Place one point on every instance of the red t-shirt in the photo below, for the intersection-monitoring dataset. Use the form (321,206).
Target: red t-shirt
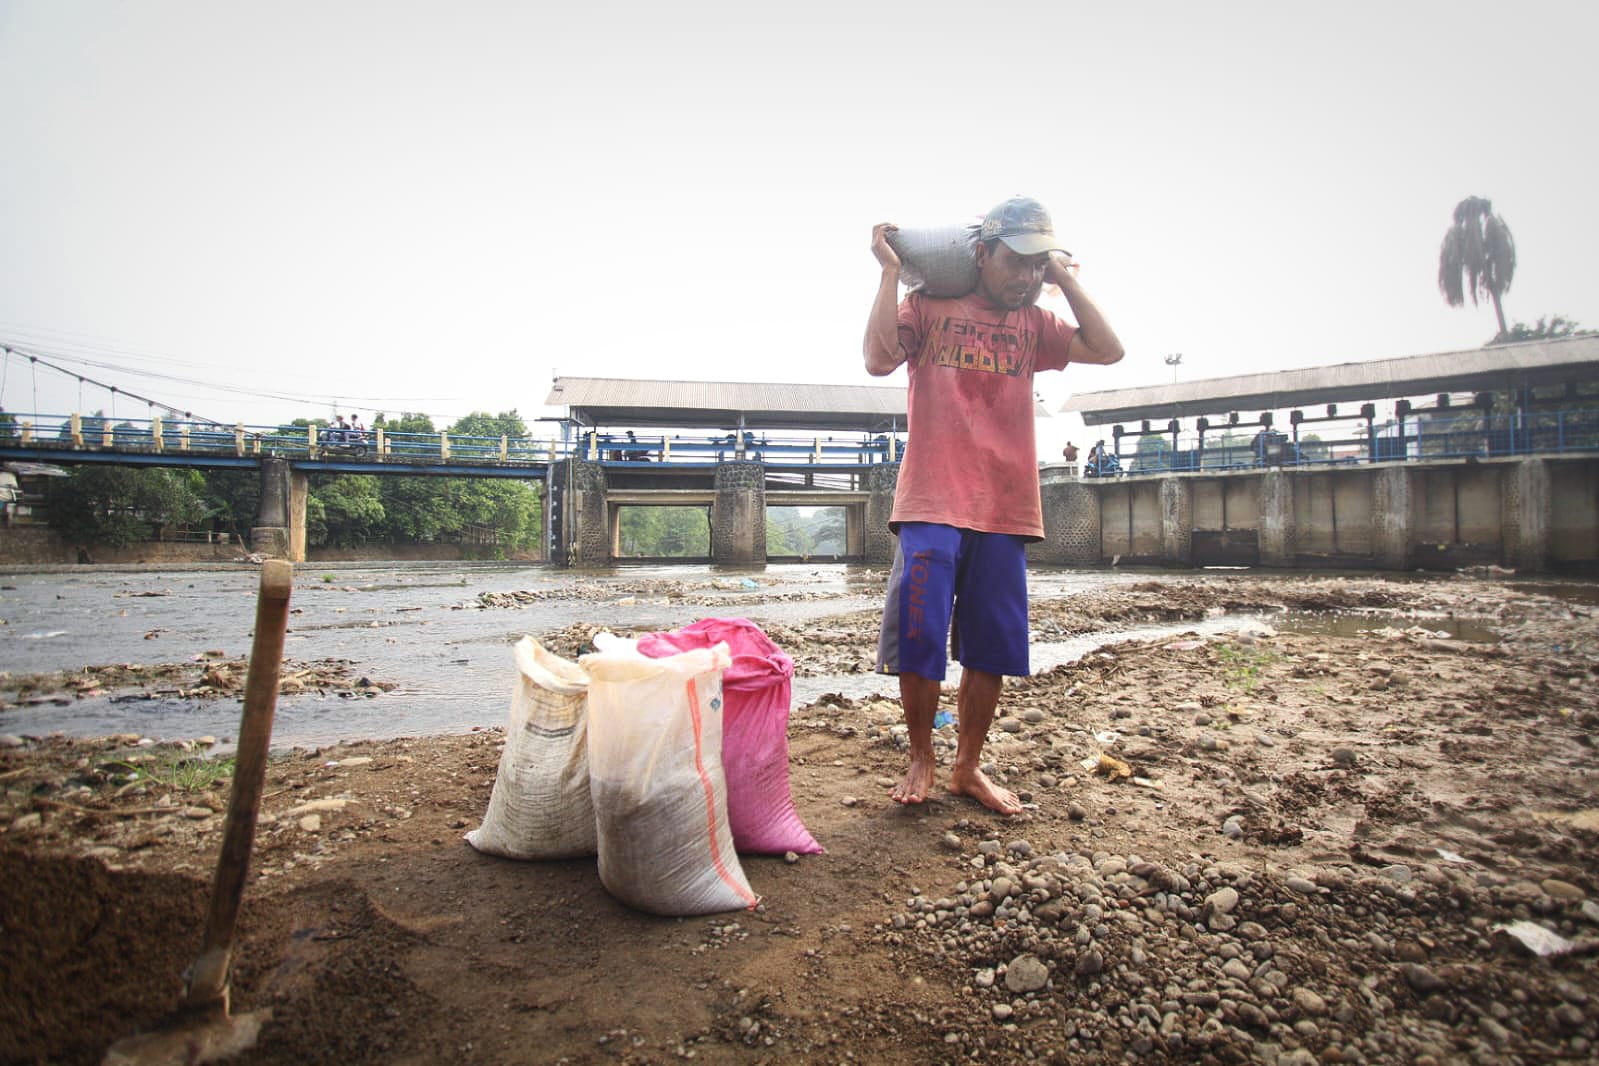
(971,461)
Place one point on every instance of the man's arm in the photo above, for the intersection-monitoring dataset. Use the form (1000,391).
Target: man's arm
(1095,342)
(881,348)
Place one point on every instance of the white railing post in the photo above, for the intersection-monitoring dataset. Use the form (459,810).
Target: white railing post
(77,431)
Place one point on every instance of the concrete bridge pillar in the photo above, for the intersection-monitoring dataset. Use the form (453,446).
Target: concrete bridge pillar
(1391,518)
(1177,521)
(588,540)
(299,488)
(880,480)
(1278,542)
(738,517)
(270,534)
(279,530)
(1527,515)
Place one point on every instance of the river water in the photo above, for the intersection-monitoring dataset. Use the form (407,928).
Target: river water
(417,626)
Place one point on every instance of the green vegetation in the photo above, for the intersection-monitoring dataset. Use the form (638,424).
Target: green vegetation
(117,506)
(176,770)
(1477,257)
(789,531)
(1243,664)
(666,532)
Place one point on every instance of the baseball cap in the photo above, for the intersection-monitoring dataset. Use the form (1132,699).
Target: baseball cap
(1024,226)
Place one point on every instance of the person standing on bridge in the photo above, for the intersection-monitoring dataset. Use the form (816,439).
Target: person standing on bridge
(968,502)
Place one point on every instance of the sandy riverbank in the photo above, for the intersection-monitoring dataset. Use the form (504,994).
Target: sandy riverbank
(1321,835)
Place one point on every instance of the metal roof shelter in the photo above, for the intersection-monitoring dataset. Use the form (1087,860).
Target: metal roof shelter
(1502,368)
(728,404)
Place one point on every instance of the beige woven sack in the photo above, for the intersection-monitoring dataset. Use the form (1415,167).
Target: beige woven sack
(541,807)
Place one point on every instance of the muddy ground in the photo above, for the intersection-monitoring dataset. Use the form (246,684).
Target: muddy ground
(1302,845)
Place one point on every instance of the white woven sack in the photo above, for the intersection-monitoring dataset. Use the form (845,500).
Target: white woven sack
(655,768)
(541,806)
(940,261)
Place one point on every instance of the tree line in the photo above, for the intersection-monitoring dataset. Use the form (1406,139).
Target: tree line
(119,505)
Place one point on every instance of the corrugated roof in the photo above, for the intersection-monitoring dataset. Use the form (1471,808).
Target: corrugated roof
(719,404)
(1509,366)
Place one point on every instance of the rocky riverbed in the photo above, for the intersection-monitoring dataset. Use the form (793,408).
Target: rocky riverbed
(1363,831)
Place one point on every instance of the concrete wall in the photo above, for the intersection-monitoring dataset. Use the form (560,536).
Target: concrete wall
(1574,523)
(1071,521)
(43,546)
(1131,520)
(1531,515)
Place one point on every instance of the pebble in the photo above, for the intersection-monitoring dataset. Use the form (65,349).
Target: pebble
(1026,973)
(1089,963)
(1344,756)
(311,823)
(1304,886)
(1002,1012)
(10,740)
(1201,719)
(1495,1032)
(850,801)
(952,841)
(1559,889)
(1422,980)
(791,857)
(31,820)
(1077,812)
(1009,725)
(1398,872)
(1222,901)
(1032,716)
(1309,1002)
(197,813)
(1233,828)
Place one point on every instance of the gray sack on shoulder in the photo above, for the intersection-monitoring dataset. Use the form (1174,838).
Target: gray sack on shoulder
(939,261)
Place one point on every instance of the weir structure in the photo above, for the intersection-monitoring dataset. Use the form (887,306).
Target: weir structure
(734,449)
(1486,457)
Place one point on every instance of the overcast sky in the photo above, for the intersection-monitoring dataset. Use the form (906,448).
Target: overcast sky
(436,207)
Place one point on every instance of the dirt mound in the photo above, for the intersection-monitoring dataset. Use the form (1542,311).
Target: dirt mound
(90,954)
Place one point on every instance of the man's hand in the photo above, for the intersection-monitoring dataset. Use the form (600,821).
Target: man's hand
(880,246)
(1061,269)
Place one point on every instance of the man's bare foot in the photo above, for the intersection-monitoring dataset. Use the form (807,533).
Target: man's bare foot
(975,783)
(918,783)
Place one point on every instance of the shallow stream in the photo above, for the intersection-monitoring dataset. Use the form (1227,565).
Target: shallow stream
(419,627)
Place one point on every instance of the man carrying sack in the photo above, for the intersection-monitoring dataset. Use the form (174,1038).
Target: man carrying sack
(968,500)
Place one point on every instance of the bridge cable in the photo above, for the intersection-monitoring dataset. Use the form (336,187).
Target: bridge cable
(35,360)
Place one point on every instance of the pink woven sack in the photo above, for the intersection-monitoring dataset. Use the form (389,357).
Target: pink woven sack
(757,689)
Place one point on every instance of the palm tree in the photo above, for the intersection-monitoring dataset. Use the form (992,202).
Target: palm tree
(1478,256)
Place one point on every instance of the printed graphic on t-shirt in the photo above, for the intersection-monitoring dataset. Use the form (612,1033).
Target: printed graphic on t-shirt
(967,344)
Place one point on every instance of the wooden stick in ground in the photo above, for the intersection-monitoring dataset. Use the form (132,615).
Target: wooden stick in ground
(209,981)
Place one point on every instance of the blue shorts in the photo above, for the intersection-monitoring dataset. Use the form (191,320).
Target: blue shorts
(941,575)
